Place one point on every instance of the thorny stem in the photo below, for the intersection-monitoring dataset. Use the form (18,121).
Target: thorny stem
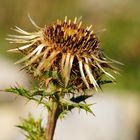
(52,120)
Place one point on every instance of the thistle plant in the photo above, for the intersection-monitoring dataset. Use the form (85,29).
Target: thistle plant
(67,61)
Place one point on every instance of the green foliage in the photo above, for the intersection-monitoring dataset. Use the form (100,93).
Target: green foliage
(33,129)
(41,96)
(65,98)
(75,102)
(19,91)
(38,95)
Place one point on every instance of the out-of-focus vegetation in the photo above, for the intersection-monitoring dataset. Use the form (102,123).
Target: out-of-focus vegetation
(120,18)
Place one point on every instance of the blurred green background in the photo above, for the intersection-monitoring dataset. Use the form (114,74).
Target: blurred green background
(118,114)
(121,19)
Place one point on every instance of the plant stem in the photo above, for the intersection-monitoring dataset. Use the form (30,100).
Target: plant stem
(52,120)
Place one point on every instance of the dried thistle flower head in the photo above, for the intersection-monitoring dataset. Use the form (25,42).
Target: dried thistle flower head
(67,47)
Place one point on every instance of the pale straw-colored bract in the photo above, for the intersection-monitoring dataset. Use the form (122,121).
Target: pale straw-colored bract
(65,46)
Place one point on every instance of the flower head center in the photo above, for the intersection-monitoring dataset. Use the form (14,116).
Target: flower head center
(70,37)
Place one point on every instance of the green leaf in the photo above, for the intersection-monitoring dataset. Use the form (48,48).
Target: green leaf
(38,95)
(19,91)
(33,129)
(86,107)
(69,105)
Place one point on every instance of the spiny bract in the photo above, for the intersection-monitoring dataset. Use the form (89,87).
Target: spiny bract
(67,47)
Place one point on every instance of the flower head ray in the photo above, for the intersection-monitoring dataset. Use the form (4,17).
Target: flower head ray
(33,23)
(20,48)
(90,75)
(82,73)
(68,47)
(19,30)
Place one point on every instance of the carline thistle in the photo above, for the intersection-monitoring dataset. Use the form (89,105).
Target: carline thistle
(66,47)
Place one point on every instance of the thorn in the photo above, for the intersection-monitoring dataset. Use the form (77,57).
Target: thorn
(57,21)
(88,28)
(65,18)
(75,20)
(80,24)
(91,32)
(69,22)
